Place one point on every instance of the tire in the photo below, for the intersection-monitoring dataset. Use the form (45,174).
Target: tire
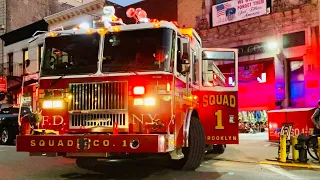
(86,163)
(312,144)
(6,138)
(194,154)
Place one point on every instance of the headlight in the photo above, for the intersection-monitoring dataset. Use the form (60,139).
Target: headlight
(149,101)
(48,104)
(144,101)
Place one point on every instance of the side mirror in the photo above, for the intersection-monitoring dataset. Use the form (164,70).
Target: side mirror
(186,52)
(185,47)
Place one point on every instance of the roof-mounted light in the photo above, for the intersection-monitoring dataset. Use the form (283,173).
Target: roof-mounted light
(156,25)
(84,26)
(52,34)
(89,31)
(116,29)
(138,14)
(103,31)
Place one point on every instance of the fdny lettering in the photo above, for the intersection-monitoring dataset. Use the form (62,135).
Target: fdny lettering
(56,120)
(221,138)
(144,117)
(224,100)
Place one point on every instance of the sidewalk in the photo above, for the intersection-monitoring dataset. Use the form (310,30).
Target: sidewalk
(253,148)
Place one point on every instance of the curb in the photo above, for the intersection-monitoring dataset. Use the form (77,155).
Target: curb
(238,161)
(309,166)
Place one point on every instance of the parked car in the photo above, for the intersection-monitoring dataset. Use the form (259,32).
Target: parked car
(9,127)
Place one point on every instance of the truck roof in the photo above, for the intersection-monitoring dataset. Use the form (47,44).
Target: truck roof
(129,27)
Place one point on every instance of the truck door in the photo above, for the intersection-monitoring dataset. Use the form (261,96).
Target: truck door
(218,95)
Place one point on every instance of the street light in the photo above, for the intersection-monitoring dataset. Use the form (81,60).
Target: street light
(84,26)
(272,45)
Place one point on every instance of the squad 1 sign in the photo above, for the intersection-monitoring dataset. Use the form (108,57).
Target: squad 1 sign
(237,10)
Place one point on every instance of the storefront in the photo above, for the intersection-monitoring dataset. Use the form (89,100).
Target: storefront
(13,95)
(278,56)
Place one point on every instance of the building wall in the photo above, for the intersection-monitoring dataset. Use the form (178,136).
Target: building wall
(3,12)
(75,2)
(24,12)
(33,53)
(264,29)
(15,14)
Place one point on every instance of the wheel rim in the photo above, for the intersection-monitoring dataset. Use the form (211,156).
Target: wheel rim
(313,147)
(4,136)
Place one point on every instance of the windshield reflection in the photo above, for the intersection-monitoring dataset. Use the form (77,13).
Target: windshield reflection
(71,55)
(124,51)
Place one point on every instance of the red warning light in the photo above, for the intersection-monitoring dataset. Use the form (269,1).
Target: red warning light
(138,10)
(175,23)
(131,12)
(142,14)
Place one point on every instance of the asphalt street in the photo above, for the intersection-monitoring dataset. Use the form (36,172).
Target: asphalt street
(15,165)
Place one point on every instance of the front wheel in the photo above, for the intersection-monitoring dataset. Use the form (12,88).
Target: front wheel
(194,154)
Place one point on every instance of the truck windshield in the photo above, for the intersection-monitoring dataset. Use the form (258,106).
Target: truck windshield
(70,55)
(138,50)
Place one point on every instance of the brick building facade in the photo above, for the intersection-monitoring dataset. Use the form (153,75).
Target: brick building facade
(293,26)
(15,14)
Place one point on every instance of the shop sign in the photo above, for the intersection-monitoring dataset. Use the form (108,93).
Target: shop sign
(3,84)
(26,99)
(237,10)
(251,49)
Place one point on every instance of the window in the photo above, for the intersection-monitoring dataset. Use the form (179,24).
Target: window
(70,55)
(294,39)
(10,64)
(218,69)
(40,52)
(24,58)
(138,50)
(194,68)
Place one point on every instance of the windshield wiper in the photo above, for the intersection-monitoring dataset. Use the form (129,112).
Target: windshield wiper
(57,80)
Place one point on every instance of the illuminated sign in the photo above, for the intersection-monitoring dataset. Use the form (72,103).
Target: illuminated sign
(263,78)
(224,100)
(231,81)
(250,49)
(237,10)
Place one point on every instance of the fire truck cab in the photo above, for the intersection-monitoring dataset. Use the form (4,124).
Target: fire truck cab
(144,88)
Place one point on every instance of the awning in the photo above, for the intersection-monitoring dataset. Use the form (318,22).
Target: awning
(15,83)
(24,32)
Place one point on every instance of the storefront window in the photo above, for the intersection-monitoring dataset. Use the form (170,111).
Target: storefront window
(253,121)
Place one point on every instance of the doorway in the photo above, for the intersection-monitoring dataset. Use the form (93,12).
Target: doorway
(296,83)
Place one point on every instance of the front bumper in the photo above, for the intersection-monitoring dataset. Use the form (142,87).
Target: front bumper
(94,143)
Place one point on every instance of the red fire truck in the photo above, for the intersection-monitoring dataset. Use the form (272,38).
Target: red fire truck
(144,88)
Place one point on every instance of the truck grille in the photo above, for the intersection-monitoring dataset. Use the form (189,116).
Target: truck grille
(99,96)
(101,120)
